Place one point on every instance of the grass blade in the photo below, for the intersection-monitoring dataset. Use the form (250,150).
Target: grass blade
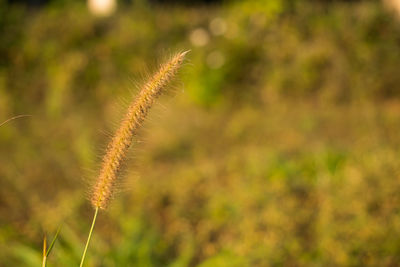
(53,242)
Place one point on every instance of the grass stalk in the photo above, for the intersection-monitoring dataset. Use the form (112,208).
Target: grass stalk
(44,261)
(89,236)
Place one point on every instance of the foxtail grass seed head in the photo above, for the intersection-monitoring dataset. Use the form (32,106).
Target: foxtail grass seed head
(104,186)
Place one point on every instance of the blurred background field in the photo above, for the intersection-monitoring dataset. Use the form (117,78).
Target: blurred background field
(278,146)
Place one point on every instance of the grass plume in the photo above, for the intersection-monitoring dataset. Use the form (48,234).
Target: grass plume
(118,147)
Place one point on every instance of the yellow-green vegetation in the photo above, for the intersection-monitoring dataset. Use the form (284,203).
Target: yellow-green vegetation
(280,146)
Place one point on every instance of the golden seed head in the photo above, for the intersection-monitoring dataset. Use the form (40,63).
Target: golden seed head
(103,188)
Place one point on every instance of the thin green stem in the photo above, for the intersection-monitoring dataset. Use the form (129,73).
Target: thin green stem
(90,236)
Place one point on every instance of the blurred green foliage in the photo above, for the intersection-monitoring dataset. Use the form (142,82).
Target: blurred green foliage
(280,146)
